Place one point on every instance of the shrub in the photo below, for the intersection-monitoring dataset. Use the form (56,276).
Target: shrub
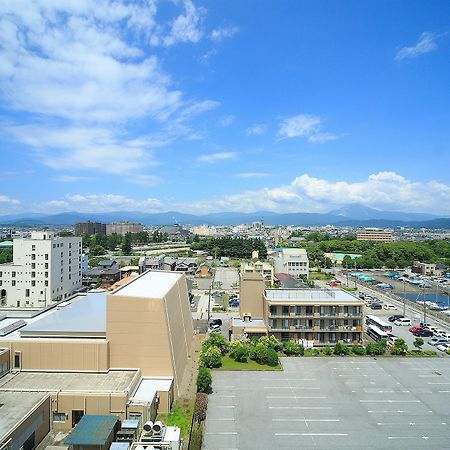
(271,342)
(196,438)
(201,405)
(341,349)
(204,380)
(399,348)
(358,350)
(291,348)
(240,354)
(212,357)
(418,343)
(271,357)
(327,350)
(215,340)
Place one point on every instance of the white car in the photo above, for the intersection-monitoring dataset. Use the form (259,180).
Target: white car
(443,347)
(386,306)
(403,322)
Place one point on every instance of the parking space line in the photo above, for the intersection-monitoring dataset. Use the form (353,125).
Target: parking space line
(223,432)
(225,406)
(300,407)
(311,434)
(305,420)
(296,397)
(390,401)
(430,382)
(291,387)
(224,396)
(224,418)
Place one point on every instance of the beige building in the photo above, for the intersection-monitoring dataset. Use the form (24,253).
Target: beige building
(258,266)
(123,228)
(121,353)
(315,317)
(374,234)
(293,261)
(423,268)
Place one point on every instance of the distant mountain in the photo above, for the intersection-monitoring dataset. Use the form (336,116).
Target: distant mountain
(360,212)
(351,215)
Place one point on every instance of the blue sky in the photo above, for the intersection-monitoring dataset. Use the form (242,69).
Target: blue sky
(202,106)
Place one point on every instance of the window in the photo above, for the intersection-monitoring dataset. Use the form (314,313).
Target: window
(46,265)
(59,417)
(46,274)
(33,283)
(27,292)
(13,274)
(17,360)
(33,248)
(46,256)
(33,256)
(33,265)
(33,274)
(13,282)
(46,282)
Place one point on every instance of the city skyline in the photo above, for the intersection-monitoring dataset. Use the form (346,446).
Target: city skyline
(223,106)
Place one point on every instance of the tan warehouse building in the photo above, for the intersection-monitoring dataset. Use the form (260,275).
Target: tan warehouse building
(315,317)
(121,353)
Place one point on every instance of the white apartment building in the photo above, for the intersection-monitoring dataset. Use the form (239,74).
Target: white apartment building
(44,268)
(293,261)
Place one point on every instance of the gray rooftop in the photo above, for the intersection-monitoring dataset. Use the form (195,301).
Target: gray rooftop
(15,405)
(112,381)
(84,316)
(308,295)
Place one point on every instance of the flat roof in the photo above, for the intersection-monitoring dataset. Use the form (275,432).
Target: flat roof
(85,315)
(92,430)
(148,387)
(308,295)
(254,323)
(15,406)
(151,284)
(112,381)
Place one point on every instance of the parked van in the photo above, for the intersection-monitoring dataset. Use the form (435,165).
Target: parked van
(404,321)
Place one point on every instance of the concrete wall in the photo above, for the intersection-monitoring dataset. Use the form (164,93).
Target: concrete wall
(4,361)
(89,403)
(251,295)
(61,354)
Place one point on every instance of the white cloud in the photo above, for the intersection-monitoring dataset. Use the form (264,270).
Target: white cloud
(221,33)
(256,130)
(196,108)
(8,200)
(144,180)
(214,157)
(226,121)
(426,44)
(186,27)
(101,203)
(307,126)
(383,190)
(252,175)
(69,178)
(87,148)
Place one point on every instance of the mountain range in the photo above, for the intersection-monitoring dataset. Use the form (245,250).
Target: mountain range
(349,215)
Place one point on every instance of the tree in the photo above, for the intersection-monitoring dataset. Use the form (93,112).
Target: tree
(204,380)
(341,349)
(216,251)
(212,357)
(65,234)
(400,347)
(126,244)
(418,343)
(291,348)
(96,250)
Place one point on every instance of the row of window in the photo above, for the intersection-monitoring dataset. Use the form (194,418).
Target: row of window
(299,310)
(297,264)
(310,323)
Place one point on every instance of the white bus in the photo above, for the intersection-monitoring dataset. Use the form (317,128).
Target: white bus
(375,333)
(376,321)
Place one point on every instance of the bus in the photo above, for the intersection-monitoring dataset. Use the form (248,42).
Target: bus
(381,324)
(375,333)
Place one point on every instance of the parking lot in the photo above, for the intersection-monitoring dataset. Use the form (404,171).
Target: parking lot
(327,403)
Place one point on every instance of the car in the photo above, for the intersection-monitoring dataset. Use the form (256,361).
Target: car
(439,332)
(395,317)
(423,333)
(375,306)
(214,330)
(437,340)
(216,322)
(443,347)
(414,329)
(425,324)
(388,306)
(446,335)
(391,340)
(234,304)
(402,322)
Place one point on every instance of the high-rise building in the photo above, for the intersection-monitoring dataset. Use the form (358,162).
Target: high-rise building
(374,234)
(44,268)
(293,261)
(123,228)
(90,228)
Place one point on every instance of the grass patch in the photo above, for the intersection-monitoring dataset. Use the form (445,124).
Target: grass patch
(230,364)
(320,276)
(181,416)
(349,289)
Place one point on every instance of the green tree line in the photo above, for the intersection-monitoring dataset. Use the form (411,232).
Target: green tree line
(231,247)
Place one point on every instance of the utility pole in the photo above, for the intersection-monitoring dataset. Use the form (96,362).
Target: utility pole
(404,298)
(346,269)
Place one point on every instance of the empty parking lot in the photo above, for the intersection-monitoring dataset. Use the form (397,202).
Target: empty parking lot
(326,403)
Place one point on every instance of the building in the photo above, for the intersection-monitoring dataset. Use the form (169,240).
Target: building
(89,228)
(423,268)
(123,228)
(44,268)
(122,353)
(374,234)
(258,266)
(314,317)
(151,263)
(338,258)
(293,261)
